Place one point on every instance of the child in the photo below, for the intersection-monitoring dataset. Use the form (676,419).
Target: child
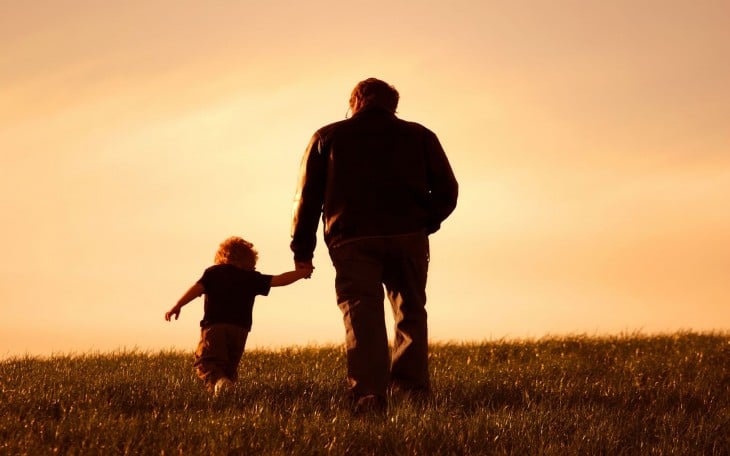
(230,287)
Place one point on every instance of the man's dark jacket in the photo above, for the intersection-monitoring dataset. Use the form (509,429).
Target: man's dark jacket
(371,175)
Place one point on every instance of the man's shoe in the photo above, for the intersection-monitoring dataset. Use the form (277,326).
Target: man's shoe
(421,397)
(371,405)
(418,395)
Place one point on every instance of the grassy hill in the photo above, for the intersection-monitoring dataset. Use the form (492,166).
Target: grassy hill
(667,394)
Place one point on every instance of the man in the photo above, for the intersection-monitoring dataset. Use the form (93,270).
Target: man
(381,186)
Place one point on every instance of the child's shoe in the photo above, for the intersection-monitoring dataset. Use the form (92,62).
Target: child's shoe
(222,386)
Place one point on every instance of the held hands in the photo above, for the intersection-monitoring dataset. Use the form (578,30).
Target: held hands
(305,273)
(304,268)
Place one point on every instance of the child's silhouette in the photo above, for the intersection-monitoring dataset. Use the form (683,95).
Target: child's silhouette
(230,287)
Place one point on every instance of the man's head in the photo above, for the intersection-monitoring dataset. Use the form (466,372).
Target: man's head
(373,92)
(238,252)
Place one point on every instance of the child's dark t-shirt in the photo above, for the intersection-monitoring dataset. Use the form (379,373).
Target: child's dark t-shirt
(230,294)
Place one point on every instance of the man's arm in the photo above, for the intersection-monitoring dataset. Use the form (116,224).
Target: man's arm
(443,187)
(194,291)
(308,201)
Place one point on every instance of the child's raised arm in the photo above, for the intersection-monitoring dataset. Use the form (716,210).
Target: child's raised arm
(289,277)
(194,291)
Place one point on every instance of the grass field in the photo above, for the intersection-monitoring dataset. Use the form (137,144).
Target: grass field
(632,394)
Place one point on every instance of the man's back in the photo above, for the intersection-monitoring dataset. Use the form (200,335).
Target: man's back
(376,175)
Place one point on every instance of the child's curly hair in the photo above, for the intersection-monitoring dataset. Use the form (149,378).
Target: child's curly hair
(238,252)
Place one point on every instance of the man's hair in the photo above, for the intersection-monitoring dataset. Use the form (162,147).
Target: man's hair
(238,252)
(374,92)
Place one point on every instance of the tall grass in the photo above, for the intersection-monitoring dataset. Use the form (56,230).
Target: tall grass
(666,394)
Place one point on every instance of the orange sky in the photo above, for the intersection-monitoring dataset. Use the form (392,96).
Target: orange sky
(591,143)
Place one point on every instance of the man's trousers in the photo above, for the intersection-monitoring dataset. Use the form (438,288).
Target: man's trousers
(363,267)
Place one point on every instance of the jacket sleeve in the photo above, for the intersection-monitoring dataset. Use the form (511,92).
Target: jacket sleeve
(308,201)
(443,190)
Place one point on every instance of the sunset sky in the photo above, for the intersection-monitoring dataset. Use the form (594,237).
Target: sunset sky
(591,141)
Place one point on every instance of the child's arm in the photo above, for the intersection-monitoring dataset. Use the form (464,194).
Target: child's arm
(290,277)
(194,291)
